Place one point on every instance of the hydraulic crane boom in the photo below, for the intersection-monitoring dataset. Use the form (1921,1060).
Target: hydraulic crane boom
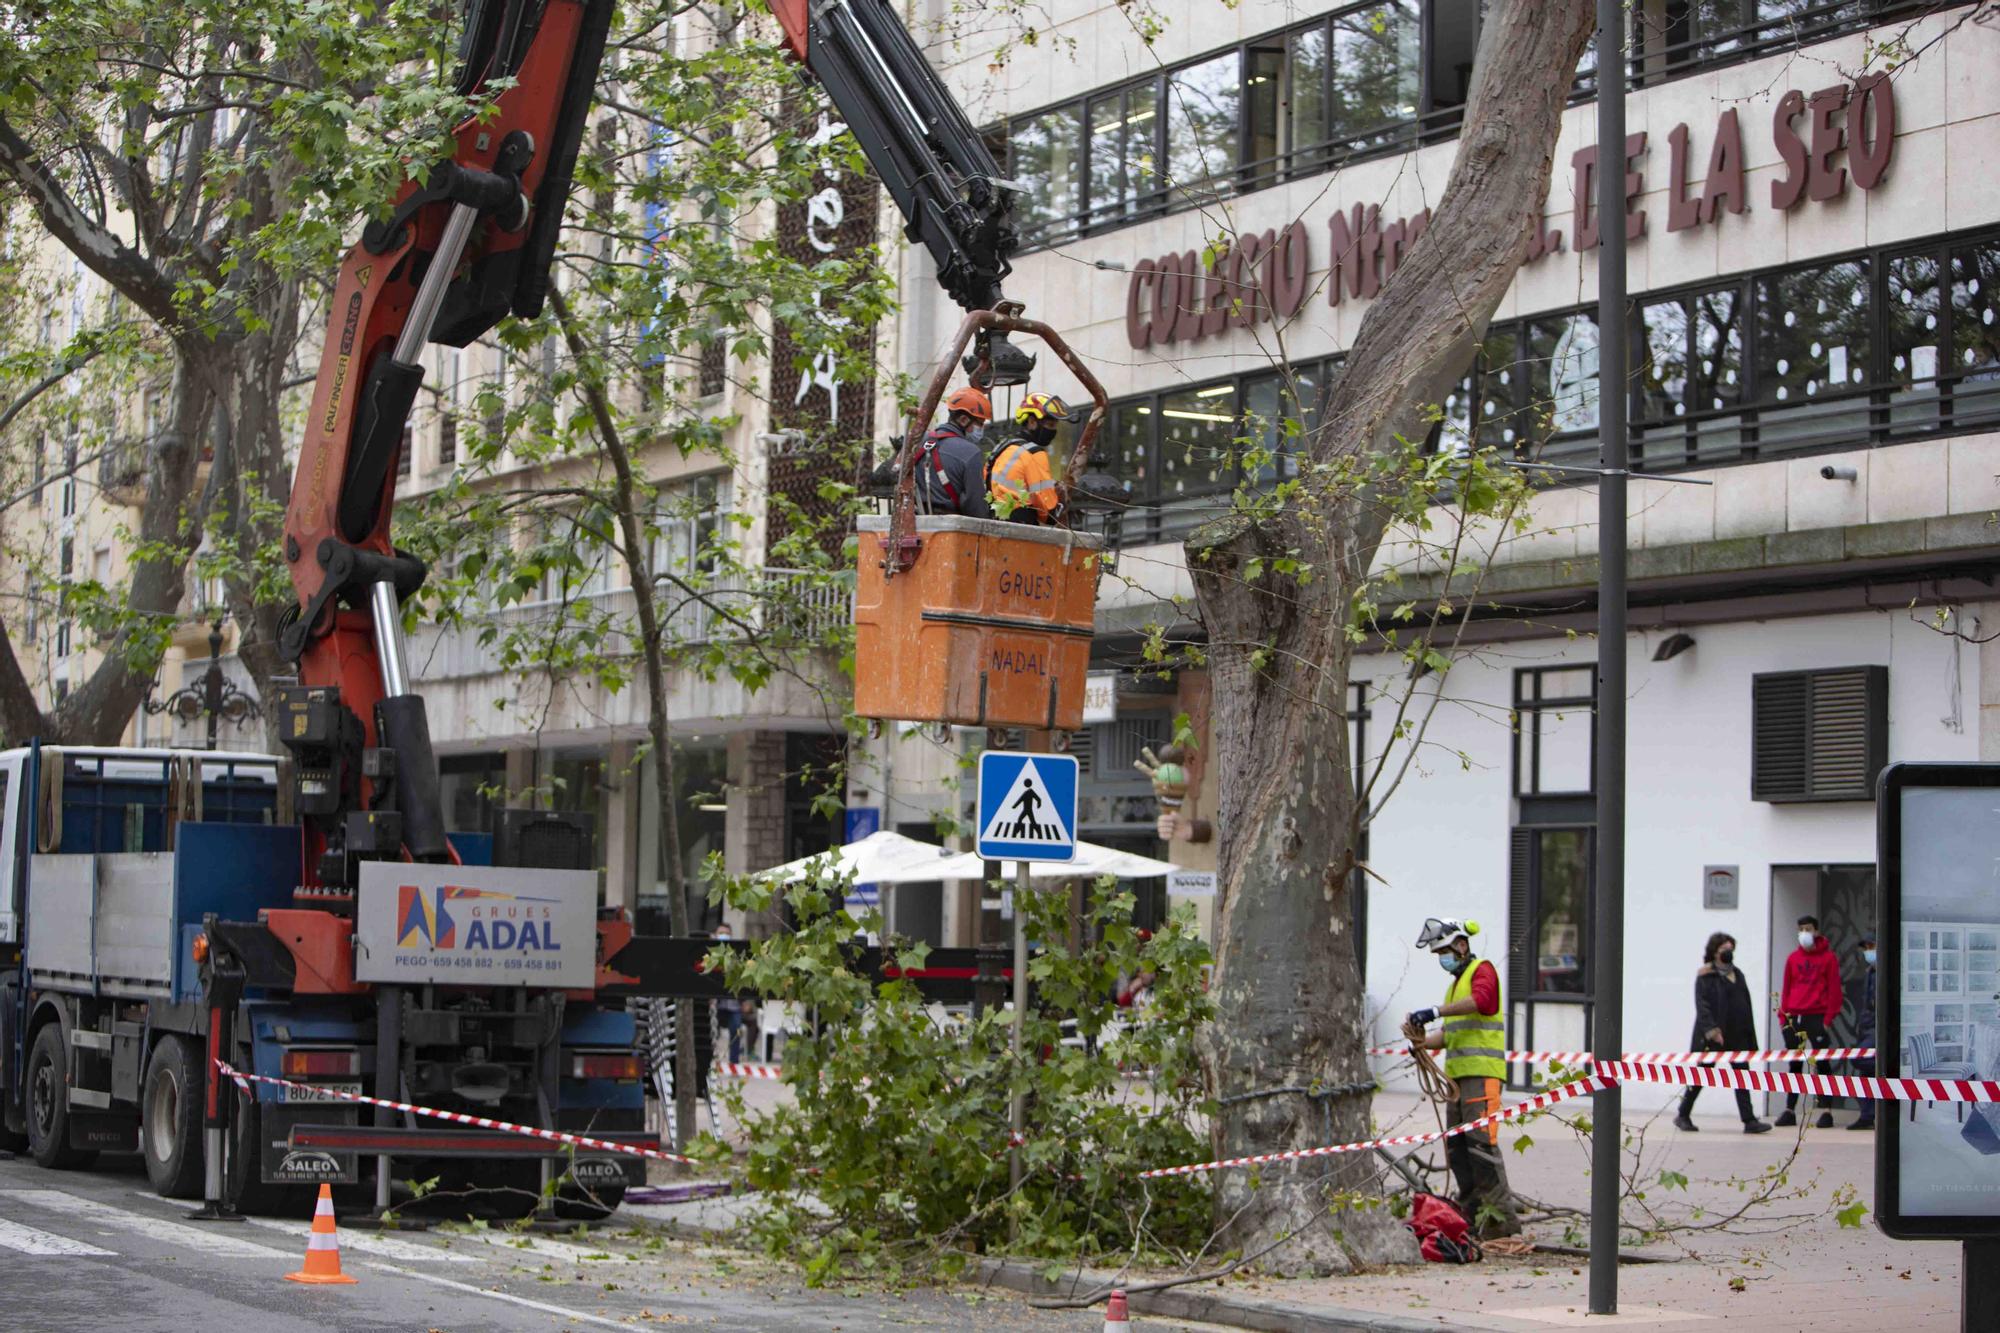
(460,251)
(935,166)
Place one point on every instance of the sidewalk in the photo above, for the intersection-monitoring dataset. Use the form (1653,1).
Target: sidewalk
(1796,1269)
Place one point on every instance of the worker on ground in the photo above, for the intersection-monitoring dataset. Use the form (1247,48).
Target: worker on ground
(1022,486)
(1473,1037)
(949,466)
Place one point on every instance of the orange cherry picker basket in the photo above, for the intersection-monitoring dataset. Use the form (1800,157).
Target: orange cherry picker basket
(977,622)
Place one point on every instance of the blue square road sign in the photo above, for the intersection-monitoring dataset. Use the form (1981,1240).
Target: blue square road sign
(1027,806)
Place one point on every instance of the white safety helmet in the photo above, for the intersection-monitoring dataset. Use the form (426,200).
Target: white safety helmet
(1443,932)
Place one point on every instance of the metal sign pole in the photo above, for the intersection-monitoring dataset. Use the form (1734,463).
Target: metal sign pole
(1017,1108)
(1608,902)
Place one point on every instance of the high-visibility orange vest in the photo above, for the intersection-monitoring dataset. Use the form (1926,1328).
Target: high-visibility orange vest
(1022,474)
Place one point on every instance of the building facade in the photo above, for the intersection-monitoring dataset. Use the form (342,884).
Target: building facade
(1814,233)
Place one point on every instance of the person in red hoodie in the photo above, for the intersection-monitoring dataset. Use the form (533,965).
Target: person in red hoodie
(1807,1006)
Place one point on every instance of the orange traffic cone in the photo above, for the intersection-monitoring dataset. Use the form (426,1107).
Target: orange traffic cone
(1116,1320)
(322,1247)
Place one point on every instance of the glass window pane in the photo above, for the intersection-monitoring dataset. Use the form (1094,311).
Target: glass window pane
(1562,374)
(1663,373)
(1561,928)
(1565,748)
(1499,389)
(1045,153)
(1123,126)
(1197,441)
(1913,324)
(1264,70)
(1454,39)
(1110,194)
(1812,346)
(1975,332)
(1305,90)
(1130,437)
(1202,106)
(1274,424)
(1376,74)
(1453,433)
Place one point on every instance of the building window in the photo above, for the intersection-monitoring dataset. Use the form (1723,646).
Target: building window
(1818,735)
(66,560)
(1555,730)
(1375,77)
(1204,107)
(1046,152)
(408,448)
(1549,890)
(1124,153)
(495,422)
(687,520)
(1813,349)
(62,641)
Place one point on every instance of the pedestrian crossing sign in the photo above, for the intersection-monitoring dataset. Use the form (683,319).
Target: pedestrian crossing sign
(1027,806)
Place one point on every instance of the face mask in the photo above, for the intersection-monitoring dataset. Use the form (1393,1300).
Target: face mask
(1806,938)
(1452,963)
(1726,957)
(975,432)
(1868,957)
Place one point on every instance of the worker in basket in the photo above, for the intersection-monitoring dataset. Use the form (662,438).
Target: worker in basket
(1473,1037)
(948,466)
(1023,488)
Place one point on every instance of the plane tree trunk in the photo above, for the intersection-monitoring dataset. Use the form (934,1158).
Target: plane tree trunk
(1288,986)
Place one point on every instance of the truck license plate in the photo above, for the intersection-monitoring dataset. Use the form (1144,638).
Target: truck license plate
(323,1092)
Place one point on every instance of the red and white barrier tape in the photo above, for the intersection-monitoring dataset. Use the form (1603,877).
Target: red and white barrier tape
(1589,1083)
(1671,1057)
(243,1081)
(1824,1085)
(728,1070)
(1612,1073)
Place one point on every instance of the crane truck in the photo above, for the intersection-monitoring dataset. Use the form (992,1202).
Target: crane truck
(305,919)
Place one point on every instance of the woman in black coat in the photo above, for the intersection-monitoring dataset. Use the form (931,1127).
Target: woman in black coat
(1723,1021)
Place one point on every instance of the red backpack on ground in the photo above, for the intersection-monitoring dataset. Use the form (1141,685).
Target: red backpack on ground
(1442,1232)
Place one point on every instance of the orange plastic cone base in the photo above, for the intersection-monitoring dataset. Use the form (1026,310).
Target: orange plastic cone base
(322,1266)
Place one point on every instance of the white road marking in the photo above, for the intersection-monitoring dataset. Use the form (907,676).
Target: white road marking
(366,1242)
(560,1312)
(30,1241)
(193,1236)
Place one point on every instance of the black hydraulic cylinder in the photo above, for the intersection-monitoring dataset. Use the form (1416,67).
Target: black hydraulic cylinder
(378,433)
(404,727)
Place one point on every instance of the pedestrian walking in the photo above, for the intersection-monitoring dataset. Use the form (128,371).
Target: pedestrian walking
(1473,1037)
(1807,1006)
(1724,1020)
(729,1010)
(1864,1032)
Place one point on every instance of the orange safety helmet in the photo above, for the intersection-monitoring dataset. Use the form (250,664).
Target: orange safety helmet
(1042,407)
(973,402)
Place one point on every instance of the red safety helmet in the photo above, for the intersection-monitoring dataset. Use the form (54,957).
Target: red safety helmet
(972,402)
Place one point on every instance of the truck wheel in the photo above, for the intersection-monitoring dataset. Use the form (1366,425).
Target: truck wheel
(243,1187)
(48,1103)
(170,1104)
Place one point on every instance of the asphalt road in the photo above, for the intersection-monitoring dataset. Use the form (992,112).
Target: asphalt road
(95,1251)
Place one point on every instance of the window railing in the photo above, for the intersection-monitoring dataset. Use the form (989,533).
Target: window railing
(1851,351)
(1365,80)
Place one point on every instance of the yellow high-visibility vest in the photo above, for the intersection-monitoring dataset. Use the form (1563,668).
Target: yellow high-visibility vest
(1475,1045)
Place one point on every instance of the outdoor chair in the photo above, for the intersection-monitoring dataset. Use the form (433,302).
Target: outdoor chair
(1921,1050)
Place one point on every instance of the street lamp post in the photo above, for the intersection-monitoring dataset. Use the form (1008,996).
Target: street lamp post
(214,696)
(1608,907)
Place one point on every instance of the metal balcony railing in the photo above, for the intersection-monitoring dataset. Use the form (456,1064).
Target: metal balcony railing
(792,608)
